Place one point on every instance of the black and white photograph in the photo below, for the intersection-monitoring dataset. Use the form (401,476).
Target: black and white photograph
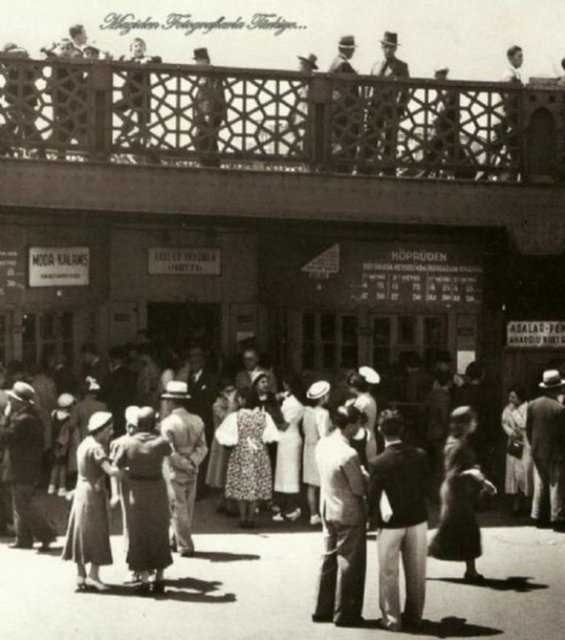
(282,319)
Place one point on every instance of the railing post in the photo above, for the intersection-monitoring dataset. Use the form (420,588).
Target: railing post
(100,123)
(319,122)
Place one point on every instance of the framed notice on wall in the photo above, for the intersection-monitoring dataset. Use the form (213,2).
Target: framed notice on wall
(59,266)
(184,261)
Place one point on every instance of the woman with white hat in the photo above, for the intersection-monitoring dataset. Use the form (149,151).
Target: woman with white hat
(316,424)
(366,439)
(88,532)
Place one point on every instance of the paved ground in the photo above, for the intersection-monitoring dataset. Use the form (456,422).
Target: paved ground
(247,586)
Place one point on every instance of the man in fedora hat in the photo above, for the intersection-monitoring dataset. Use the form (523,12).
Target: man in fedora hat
(385,110)
(209,111)
(347,114)
(185,433)
(23,434)
(545,428)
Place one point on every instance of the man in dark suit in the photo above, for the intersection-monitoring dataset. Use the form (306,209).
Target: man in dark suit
(342,505)
(24,437)
(120,388)
(545,427)
(399,485)
(386,109)
(346,109)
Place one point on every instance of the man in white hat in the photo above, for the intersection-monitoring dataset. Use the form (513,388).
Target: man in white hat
(545,427)
(24,436)
(186,435)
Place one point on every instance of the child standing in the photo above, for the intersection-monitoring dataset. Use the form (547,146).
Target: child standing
(60,420)
(316,425)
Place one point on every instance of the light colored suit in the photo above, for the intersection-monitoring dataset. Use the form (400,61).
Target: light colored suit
(185,433)
(343,509)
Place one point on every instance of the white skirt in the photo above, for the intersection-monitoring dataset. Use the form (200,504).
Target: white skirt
(287,470)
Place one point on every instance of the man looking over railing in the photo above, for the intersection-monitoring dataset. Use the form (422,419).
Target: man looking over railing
(209,112)
(385,111)
(346,110)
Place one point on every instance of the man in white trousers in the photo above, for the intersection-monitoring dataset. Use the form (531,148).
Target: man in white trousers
(399,484)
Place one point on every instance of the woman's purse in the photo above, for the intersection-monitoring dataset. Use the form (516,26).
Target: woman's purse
(515,448)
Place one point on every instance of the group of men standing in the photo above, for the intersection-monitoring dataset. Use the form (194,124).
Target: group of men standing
(394,497)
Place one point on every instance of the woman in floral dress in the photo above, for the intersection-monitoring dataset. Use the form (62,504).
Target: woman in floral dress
(249,475)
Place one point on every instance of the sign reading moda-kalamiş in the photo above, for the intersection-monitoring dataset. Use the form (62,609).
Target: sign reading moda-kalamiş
(184,261)
(59,266)
(535,334)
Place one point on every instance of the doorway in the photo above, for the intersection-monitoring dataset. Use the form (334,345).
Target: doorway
(179,324)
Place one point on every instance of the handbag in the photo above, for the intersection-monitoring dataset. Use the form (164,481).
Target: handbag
(515,448)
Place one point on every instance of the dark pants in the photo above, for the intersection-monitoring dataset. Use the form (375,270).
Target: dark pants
(341,585)
(29,522)
(5,506)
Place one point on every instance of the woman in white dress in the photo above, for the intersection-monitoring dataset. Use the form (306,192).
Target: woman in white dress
(289,453)
(316,424)
(519,466)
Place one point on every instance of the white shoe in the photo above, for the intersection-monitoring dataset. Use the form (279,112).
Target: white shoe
(97,585)
(278,517)
(315,520)
(294,515)
(62,493)
(51,490)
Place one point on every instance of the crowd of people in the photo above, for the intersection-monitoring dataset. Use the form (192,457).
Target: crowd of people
(365,121)
(151,432)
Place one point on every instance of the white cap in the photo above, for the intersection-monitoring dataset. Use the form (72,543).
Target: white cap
(318,390)
(370,375)
(65,400)
(132,415)
(99,420)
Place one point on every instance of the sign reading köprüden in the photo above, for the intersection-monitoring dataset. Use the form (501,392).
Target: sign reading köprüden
(59,266)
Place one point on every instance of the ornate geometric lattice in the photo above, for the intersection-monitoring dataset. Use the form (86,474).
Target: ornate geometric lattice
(181,112)
(44,108)
(425,128)
(183,115)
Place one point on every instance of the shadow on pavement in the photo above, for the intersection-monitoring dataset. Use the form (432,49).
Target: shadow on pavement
(452,627)
(224,556)
(519,584)
(179,590)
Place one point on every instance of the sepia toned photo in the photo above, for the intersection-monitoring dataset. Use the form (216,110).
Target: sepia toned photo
(282,328)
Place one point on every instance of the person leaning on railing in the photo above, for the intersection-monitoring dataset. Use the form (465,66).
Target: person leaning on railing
(136,93)
(209,112)
(21,97)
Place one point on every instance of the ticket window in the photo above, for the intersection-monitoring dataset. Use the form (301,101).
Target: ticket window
(393,337)
(330,341)
(47,333)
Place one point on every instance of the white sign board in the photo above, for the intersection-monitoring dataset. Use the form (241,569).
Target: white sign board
(184,261)
(325,264)
(59,266)
(535,334)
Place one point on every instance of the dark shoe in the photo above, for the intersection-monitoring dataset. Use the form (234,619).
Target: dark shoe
(350,622)
(474,578)
(144,589)
(44,548)
(187,553)
(559,527)
(20,545)
(159,587)
(319,618)
(542,524)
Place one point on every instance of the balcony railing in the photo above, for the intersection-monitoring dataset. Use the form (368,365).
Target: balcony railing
(247,118)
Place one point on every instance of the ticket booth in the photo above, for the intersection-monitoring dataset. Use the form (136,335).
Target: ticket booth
(343,304)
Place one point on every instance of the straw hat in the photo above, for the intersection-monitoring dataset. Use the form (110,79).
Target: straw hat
(99,420)
(370,375)
(318,390)
(23,392)
(176,390)
(551,379)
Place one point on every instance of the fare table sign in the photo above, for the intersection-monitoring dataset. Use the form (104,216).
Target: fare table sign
(59,266)
(413,274)
(535,334)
